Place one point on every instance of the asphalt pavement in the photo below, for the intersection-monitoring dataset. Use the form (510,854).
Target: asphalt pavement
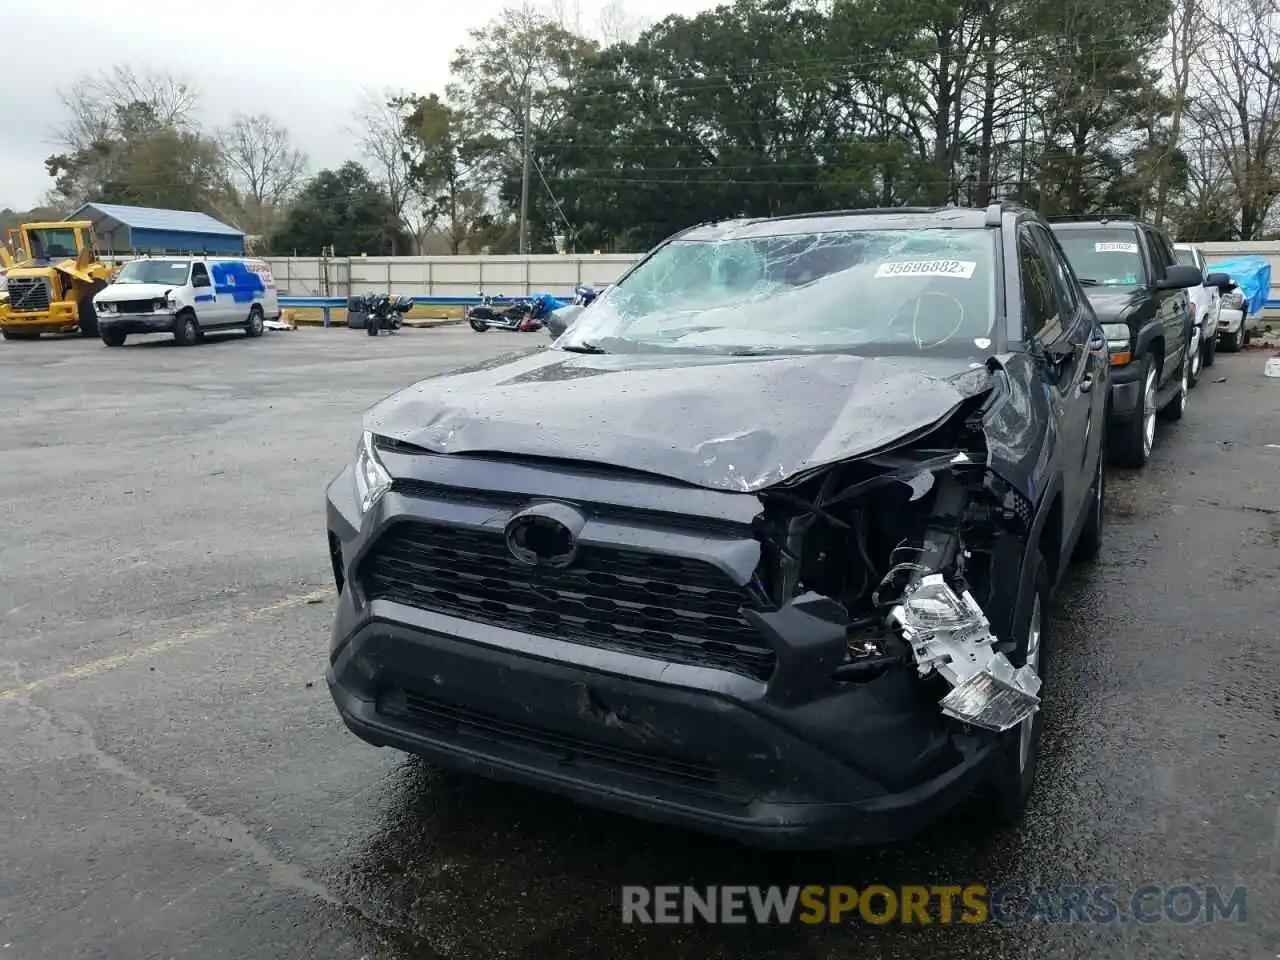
(174,780)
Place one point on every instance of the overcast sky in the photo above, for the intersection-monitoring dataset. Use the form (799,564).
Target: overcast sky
(306,63)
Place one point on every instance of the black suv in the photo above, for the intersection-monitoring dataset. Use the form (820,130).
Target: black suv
(1139,292)
(761,545)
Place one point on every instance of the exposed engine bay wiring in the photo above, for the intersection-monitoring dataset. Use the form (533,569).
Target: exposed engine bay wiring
(906,544)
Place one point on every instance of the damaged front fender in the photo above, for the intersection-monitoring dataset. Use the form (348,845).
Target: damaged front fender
(909,560)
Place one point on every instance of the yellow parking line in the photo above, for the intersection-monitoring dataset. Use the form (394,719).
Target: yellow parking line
(97,667)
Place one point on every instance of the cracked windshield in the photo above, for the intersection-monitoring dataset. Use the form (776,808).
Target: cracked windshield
(881,290)
(640,480)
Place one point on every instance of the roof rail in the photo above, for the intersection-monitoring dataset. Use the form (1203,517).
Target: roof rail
(1100,217)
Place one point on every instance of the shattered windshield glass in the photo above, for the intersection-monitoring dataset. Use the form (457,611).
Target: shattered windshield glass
(862,291)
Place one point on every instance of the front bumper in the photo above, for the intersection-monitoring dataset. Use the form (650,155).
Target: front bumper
(136,322)
(794,761)
(1229,320)
(61,317)
(1126,391)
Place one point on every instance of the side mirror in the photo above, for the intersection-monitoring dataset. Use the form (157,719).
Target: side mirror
(558,321)
(1180,276)
(1222,281)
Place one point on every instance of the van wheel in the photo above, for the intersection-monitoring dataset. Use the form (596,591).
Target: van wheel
(112,338)
(253,326)
(186,329)
(19,335)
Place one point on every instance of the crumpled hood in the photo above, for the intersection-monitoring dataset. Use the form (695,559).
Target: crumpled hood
(1111,303)
(115,293)
(726,423)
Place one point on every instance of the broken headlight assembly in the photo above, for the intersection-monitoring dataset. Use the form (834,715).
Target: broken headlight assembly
(372,479)
(906,543)
(950,635)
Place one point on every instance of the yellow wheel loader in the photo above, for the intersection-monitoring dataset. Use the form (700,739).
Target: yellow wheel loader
(52,272)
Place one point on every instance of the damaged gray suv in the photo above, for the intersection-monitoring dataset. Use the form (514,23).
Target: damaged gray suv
(762,545)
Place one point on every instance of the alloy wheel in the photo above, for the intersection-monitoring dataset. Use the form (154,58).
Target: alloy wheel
(1149,413)
(1184,396)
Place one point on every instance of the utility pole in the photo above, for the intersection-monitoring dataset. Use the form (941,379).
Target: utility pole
(524,185)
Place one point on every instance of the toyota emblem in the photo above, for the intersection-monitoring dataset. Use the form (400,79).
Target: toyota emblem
(545,535)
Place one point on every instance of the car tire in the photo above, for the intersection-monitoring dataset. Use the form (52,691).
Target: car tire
(1210,348)
(1176,408)
(1197,360)
(1132,440)
(1089,543)
(186,329)
(1013,768)
(112,338)
(254,326)
(1234,342)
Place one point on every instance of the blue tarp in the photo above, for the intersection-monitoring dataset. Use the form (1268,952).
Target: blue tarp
(1251,274)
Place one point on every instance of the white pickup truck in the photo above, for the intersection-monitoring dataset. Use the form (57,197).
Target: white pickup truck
(1207,303)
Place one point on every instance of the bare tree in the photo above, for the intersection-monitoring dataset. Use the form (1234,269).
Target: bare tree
(1188,32)
(615,25)
(380,127)
(263,164)
(96,105)
(1238,114)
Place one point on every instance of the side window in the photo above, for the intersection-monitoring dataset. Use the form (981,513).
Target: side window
(1039,305)
(199,275)
(1161,253)
(1064,281)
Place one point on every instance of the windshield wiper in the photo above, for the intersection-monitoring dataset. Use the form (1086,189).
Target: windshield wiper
(584,348)
(1089,282)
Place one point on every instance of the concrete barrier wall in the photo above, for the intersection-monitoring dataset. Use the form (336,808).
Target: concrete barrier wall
(461,276)
(467,276)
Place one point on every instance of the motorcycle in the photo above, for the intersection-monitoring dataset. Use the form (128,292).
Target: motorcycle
(385,313)
(522,316)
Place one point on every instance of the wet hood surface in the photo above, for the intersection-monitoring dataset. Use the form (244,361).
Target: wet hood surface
(118,293)
(737,424)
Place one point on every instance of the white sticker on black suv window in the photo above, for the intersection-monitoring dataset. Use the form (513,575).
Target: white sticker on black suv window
(928,268)
(1112,246)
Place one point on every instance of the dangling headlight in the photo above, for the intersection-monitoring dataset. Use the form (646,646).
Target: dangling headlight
(372,479)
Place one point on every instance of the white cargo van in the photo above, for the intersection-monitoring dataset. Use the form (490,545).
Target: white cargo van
(187,296)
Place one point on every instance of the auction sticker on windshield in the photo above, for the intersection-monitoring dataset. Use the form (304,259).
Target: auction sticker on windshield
(928,268)
(1115,247)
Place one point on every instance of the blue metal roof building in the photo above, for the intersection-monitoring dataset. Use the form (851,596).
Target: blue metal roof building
(134,230)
